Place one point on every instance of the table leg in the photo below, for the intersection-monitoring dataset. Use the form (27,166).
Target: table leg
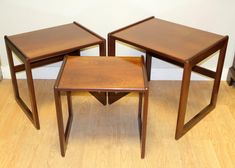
(60,122)
(182,128)
(219,70)
(13,73)
(183,100)
(148,65)
(32,94)
(102,48)
(63,135)
(144,124)
(111,46)
(139,113)
(31,114)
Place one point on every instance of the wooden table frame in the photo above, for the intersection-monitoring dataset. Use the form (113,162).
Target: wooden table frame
(142,109)
(29,64)
(188,66)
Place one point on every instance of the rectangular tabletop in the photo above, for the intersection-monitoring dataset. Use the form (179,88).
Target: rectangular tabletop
(102,74)
(172,40)
(47,41)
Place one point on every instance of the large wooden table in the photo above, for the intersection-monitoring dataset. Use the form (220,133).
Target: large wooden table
(42,47)
(99,74)
(180,45)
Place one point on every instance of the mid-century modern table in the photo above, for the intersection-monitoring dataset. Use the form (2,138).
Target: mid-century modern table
(100,74)
(42,47)
(179,45)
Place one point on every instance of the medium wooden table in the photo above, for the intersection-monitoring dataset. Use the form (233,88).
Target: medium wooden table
(42,47)
(100,74)
(179,45)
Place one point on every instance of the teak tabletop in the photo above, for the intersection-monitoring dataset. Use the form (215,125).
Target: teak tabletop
(172,40)
(100,73)
(180,45)
(44,42)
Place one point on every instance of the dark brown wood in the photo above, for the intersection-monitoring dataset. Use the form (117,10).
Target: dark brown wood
(144,124)
(102,48)
(140,113)
(182,46)
(42,47)
(63,135)
(100,96)
(13,75)
(183,100)
(111,46)
(75,53)
(94,75)
(32,95)
(114,96)
(60,122)
(204,71)
(21,67)
(198,69)
(70,118)
(218,74)
(148,65)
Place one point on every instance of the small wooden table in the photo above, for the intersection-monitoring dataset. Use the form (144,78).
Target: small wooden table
(179,45)
(100,74)
(42,47)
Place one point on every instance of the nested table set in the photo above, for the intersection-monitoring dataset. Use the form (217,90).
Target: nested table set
(180,45)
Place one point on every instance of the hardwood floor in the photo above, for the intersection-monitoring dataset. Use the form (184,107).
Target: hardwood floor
(107,136)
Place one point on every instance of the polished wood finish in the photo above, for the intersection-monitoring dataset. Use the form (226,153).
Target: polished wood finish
(94,74)
(231,74)
(180,45)
(42,47)
(98,74)
(174,41)
(108,137)
(41,43)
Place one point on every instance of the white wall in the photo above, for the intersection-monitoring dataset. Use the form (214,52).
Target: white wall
(104,16)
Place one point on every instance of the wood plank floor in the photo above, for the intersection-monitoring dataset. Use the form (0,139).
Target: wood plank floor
(107,136)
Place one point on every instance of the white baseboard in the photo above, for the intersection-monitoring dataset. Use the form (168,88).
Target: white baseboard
(157,73)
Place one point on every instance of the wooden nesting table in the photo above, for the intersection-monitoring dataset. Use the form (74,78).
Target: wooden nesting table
(44,47)
(179,45)
(100,74)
